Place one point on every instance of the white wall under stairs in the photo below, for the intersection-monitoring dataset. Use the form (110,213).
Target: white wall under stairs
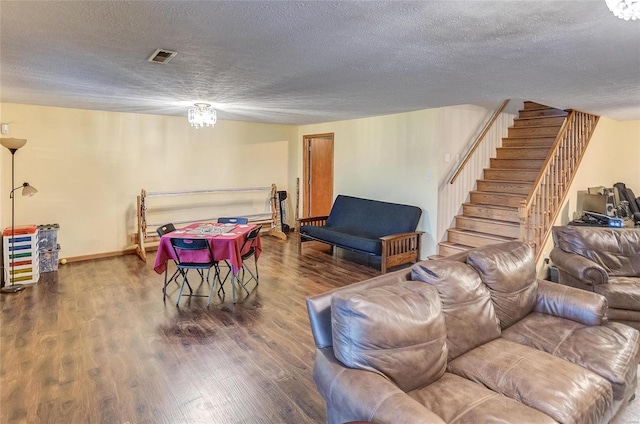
(456,144)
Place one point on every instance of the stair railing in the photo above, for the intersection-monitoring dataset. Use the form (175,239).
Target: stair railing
(475,145)
(539,211)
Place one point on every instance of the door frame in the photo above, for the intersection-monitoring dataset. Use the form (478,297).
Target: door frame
(306,144)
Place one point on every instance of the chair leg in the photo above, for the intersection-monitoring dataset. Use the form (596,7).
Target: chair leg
(217,266)
(255,261)
(222,281)
(241,280)
(255,277)
(174,277)
(164,287)
(184,281)
(212,284)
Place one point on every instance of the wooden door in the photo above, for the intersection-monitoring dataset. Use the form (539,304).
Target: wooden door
(318,174)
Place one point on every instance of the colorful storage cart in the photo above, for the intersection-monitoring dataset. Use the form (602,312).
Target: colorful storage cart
(21,255)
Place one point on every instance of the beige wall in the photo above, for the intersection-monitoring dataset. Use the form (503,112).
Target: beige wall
(613,156)
(388,158)
(461,126)
(89,166)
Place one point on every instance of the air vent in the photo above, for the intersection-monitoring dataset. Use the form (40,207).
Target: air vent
(162,56)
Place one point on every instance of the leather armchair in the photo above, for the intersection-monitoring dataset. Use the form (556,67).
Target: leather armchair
(605,261)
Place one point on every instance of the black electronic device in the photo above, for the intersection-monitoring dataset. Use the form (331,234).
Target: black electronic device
(604,219)
(282,206)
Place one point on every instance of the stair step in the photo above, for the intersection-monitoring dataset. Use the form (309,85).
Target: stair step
(495,198)
(474,238)
(503,186)
(501,213)
(522,152)
(528,105)
(547,111)
(516,163)
(447,249)
(511,174)
(538,121)
(547,130)
(488,226)
(528,141)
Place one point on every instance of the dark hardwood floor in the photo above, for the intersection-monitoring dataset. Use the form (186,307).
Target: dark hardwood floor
(94,343)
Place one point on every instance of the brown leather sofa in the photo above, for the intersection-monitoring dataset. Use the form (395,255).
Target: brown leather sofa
(473,339)
(605,261)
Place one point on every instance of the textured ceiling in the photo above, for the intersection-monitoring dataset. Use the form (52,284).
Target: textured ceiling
(294,62)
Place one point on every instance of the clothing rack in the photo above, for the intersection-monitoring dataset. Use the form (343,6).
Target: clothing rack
(147,238)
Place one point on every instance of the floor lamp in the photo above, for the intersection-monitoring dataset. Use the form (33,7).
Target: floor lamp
(13,144)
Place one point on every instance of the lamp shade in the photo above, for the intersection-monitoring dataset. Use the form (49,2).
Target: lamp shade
(28,190)
(13,143)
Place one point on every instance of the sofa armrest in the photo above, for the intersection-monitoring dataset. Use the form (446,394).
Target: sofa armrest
(580,268)
(357,395)
(571,303)
(316,221)
(402,248)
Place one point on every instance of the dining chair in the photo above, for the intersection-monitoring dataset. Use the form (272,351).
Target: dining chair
(233,220)
(248,250)
(194,254)
(162,230)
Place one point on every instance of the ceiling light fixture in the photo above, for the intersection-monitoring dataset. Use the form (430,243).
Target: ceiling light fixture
(625,9)
(202,115)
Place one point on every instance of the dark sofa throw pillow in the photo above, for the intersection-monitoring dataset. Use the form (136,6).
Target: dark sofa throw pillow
(509,271)
(397,331)
(466,303)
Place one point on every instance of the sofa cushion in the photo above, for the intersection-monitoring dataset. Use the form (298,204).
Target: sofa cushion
(372,217)
(344,238)
(566,392)
(509,271)
(608,350)
(397,331)
(621,292)
(457,400)
(617,250)
(466,303)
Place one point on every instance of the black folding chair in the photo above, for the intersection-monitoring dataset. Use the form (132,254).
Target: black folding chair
(162,230)
(183,245)
(248,250)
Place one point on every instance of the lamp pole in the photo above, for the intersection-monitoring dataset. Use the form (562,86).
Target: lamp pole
(12,288)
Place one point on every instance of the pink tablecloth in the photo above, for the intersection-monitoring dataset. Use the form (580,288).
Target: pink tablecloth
(224,246)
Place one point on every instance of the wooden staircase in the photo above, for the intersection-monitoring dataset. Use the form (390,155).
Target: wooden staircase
(491,215)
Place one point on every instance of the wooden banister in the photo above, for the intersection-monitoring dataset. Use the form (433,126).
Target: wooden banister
(541,208)
(479,139)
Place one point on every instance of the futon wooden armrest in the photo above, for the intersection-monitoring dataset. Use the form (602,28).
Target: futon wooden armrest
(398,249)
(314,221)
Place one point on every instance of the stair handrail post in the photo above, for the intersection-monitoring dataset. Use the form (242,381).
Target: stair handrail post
(523,214)
(479,139)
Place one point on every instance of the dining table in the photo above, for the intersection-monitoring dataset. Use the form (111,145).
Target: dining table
(226,241)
